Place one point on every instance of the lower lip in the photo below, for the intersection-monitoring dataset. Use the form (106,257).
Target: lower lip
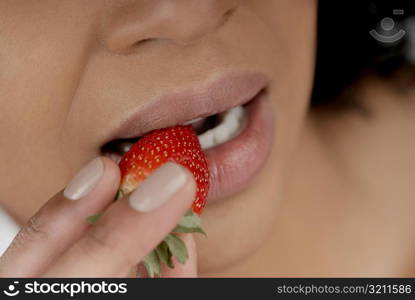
(234,164)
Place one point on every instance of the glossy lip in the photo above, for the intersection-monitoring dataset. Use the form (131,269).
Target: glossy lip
(233,164)
(183,106)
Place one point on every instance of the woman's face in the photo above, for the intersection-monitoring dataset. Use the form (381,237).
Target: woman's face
(76,74)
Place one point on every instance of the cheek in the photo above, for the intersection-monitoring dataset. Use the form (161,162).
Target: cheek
(293,24)
(39,73)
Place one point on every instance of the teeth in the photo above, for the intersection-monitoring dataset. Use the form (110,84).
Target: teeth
(126,147)
(231,125)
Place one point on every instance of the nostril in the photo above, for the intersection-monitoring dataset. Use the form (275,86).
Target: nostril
(131,48)
(229,13)
(139,23)
(139,45)
(142,42)
(226,16)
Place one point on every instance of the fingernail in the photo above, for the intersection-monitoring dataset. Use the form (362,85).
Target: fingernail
(158,188)
(85,181)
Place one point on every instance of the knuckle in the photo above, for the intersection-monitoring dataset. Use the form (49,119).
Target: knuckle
(34,230)
(98,240)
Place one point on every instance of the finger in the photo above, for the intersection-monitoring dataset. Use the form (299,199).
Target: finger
(62,220)
(131,227)
(188,269)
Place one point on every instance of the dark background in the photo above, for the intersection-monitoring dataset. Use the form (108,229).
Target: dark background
(346,50)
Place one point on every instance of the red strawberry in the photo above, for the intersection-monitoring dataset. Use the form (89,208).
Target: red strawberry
(176,144)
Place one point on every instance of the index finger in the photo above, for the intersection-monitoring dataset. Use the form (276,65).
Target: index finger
(60,222)
(131,227)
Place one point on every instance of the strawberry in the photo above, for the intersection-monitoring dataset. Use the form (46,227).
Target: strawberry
(179,145)
(175,144)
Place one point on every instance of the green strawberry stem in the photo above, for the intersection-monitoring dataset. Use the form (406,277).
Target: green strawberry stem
(171,246)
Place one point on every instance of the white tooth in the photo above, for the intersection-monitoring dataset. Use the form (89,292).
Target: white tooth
(193,121)
(206,140)
(127,147)
(238,112)
(225,130)
(230,126)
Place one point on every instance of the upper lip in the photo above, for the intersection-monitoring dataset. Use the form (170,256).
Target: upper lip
(184,105)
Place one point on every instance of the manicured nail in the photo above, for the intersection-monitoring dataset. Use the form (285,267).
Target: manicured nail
(85,181)
(158,188)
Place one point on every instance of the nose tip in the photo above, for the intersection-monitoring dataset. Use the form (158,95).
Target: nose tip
(181,22)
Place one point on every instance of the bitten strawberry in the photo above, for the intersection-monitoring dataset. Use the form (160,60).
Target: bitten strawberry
(176,144)
(179,145)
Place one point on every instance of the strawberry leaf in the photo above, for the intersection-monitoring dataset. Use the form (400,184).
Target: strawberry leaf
(189,213)
(177,247)
(118,195)
(190,223)
(164,254)
(182,229)
(152,264)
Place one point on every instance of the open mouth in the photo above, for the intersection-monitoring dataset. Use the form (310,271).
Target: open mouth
(212,131)
(231,118)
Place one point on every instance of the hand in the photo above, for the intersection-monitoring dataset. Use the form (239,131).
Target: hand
(58,241)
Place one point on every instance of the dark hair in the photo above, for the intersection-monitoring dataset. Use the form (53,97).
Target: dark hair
(346,50)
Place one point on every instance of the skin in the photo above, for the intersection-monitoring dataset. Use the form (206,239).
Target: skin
(71,70)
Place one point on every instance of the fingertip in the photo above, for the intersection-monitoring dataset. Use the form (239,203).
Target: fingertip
(106,188)
(99,191)
(169,183)
(112,172)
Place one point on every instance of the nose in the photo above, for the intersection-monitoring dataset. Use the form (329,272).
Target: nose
(182,22)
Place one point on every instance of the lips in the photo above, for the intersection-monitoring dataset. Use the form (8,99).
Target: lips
(231,119)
